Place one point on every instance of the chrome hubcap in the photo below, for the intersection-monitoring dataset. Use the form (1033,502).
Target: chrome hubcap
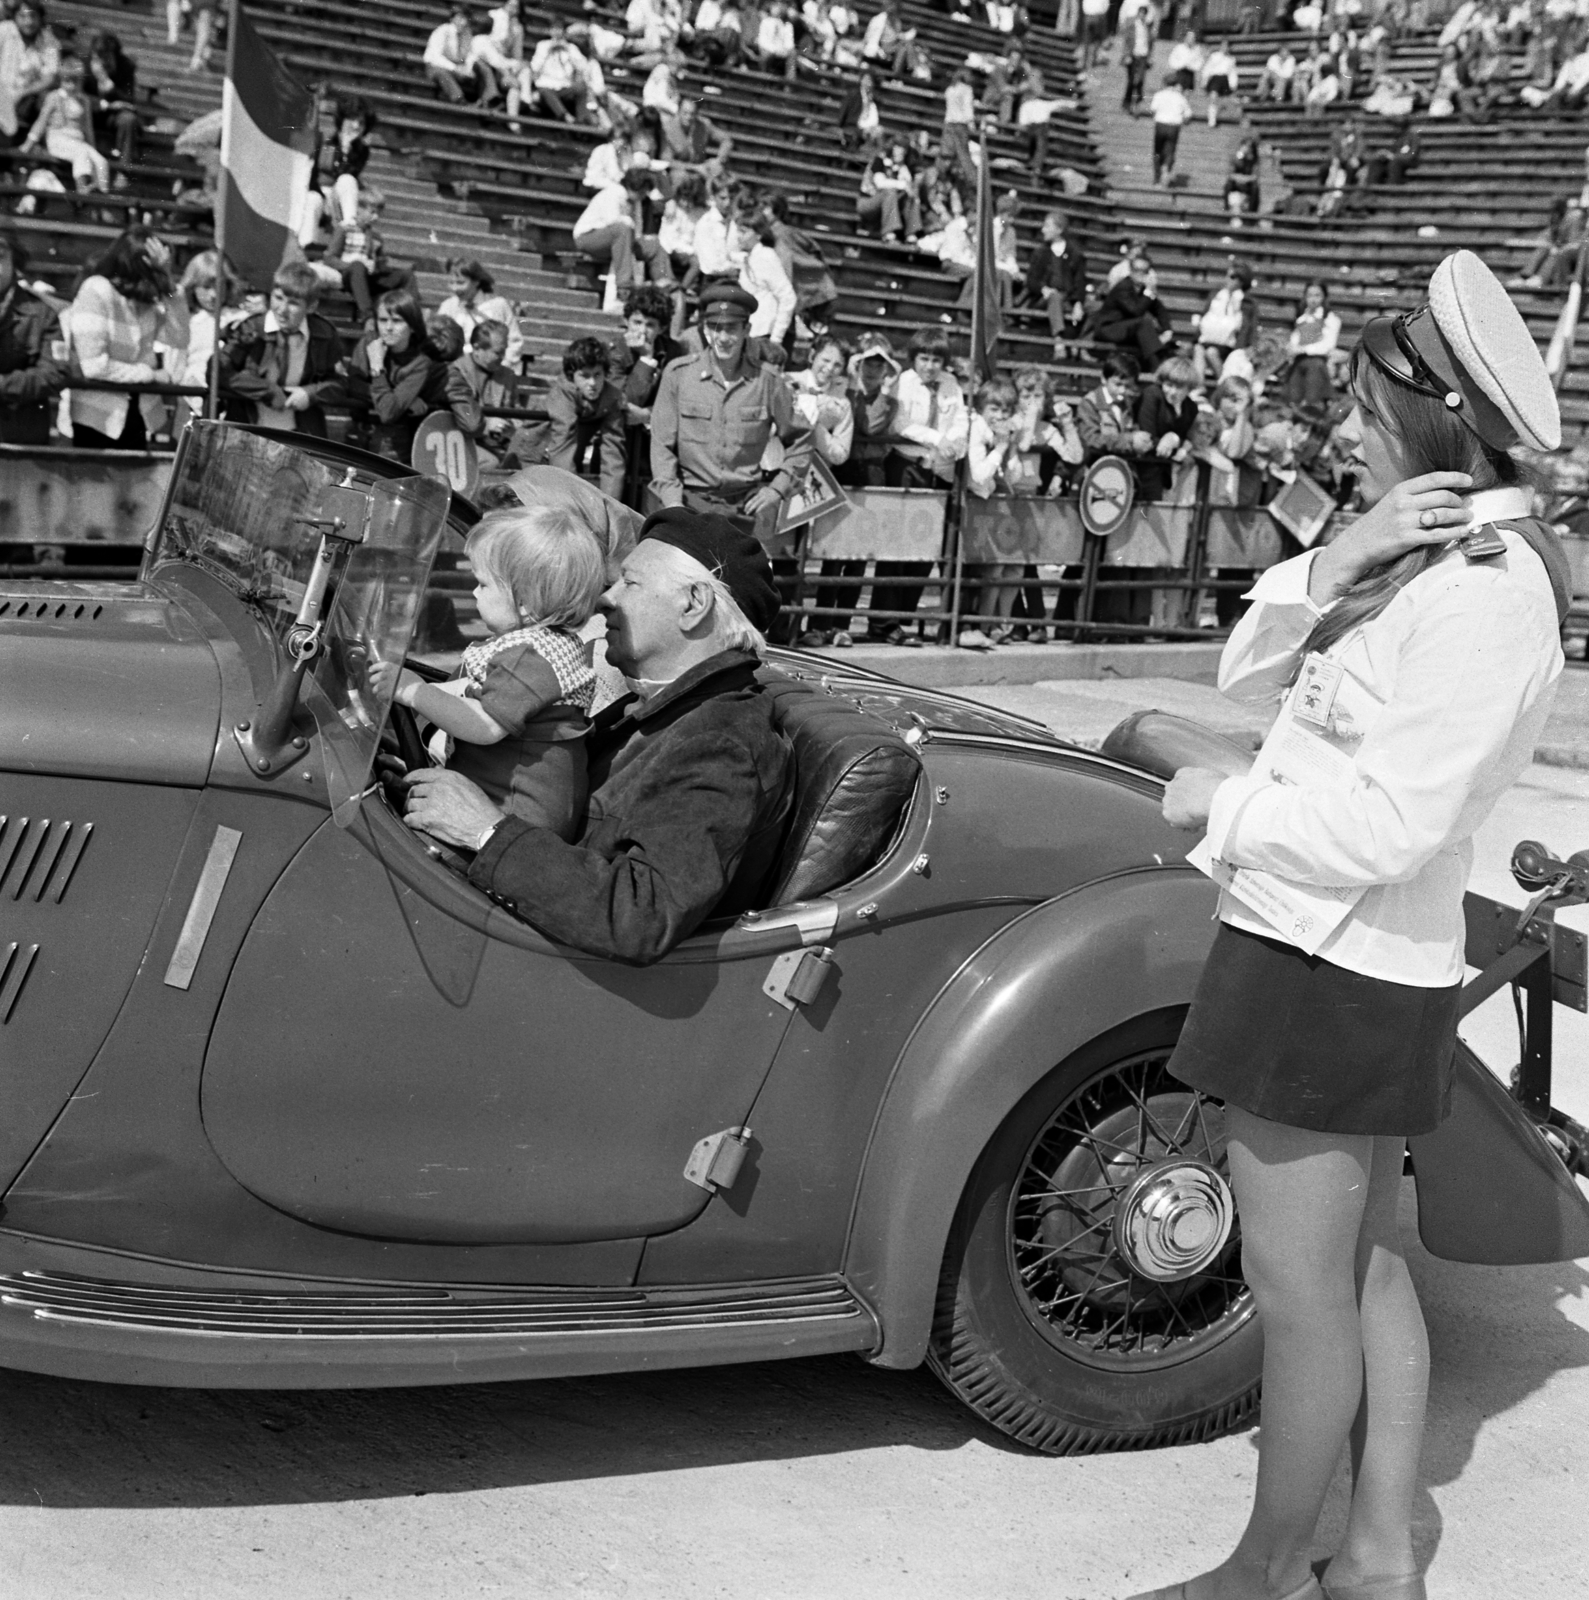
(1173,1220)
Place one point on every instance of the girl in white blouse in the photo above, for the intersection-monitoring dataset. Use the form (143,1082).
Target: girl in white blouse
(1415,678)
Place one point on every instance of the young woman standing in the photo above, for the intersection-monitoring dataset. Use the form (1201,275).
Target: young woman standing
(1416,667)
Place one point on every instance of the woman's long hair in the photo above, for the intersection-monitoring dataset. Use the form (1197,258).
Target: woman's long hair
(1429,438)
(131,273)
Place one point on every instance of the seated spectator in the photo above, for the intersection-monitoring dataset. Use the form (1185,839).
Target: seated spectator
(1106,416)
(715,37)
(281,368)
(1134,319)
(1279,75)
(391,372)
(30,62)
(1325,89)
(1448,83)
(125,307)
(1185,61)
(555,77)
(357,254)
(887,40)
(1230,322)
(860,122)
(113,95)
(689,781)
(691,139)
(1010,81)
(1171,111)
(63,125)
(1393,165)
(1314,336)
(764,278)
(1219,75)
(774,48)
(1006,247)
(448,62)
(637,356)
(1056,282)
(1241,182)
(498,57)
(931,428)
(888,196)
(717,254)
(681,215)
(821,40)
(472,297)
(444,344)
(1309,70)
(610,232)
(608,161)
(1166,413)
(474,381)
(1555,258)
(339,163)
(1569,90)
(664,87)
(32,368)
(653,28)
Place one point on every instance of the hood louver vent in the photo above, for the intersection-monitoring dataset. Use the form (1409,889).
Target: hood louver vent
(49,609)
(40,856)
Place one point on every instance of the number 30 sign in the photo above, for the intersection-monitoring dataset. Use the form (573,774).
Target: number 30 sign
(443,450)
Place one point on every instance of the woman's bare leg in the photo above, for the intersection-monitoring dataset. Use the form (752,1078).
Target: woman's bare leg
(1387,1436)
(1302,1197)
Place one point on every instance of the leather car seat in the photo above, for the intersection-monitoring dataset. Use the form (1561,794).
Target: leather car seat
(853,774)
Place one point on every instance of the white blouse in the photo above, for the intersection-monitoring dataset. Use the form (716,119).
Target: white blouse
(1460,670)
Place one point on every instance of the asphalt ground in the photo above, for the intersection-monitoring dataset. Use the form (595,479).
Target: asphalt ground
(808,1480)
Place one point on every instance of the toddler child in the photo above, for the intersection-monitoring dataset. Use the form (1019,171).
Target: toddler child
(519,713)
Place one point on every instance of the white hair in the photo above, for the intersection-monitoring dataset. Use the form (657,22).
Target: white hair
(730,626)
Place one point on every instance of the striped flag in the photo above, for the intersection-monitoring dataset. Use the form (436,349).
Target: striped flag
(267,155)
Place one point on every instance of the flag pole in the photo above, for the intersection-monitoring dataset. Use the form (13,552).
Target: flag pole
(212,406)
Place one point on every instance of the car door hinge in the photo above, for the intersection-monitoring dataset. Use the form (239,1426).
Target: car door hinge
(797,976)
(715,1161)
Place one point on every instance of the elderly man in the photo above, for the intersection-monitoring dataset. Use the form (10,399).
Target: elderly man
(690,780)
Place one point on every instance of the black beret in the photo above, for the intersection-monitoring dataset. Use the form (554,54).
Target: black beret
(735,557)
(727,297)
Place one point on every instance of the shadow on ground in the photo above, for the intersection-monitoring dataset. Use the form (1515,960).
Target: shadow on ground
(73,1444)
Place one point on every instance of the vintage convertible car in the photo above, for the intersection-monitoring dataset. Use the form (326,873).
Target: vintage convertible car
(285,1101)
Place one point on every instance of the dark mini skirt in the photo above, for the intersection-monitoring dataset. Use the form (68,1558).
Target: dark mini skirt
(1293,1039)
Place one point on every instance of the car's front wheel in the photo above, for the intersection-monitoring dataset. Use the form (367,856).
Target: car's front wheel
(1092,1296)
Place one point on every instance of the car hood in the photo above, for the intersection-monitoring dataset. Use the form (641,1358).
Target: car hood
(105,680)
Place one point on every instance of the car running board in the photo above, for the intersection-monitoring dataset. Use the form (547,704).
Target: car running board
(252,1338)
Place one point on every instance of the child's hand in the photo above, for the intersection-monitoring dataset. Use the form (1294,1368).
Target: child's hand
(1169,444)
(384,673)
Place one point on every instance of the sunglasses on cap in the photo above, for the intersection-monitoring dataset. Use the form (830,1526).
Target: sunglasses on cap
(1388,344)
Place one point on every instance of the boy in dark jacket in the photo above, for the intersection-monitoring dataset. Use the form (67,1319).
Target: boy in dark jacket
(281,368)
(32,355)
(585,425)
(474,382)
(1056,282)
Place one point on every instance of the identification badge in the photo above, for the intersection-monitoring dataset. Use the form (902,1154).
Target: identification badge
(1483,544)
(1317,685)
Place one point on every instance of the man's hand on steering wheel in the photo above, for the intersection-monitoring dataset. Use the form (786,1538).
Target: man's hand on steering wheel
(449,807)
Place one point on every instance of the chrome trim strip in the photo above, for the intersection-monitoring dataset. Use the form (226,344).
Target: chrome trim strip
(201,909)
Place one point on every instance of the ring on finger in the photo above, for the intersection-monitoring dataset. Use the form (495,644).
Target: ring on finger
(1426,519)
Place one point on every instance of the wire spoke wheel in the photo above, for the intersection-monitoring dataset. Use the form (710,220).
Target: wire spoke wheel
(1092,1295)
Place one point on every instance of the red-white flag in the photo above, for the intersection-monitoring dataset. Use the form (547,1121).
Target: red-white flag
(267,155)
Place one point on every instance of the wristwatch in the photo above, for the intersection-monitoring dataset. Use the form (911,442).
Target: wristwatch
(485,837)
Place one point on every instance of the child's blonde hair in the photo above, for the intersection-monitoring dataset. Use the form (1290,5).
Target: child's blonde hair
(546,558)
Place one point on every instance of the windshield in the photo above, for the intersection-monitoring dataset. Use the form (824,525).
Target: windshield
(251,511)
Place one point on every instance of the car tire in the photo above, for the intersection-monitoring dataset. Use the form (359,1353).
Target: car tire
(1041,1326)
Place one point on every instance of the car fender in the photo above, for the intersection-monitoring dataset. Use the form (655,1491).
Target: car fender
(1062,974)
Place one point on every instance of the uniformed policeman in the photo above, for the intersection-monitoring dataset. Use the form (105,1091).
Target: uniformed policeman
(712,418)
